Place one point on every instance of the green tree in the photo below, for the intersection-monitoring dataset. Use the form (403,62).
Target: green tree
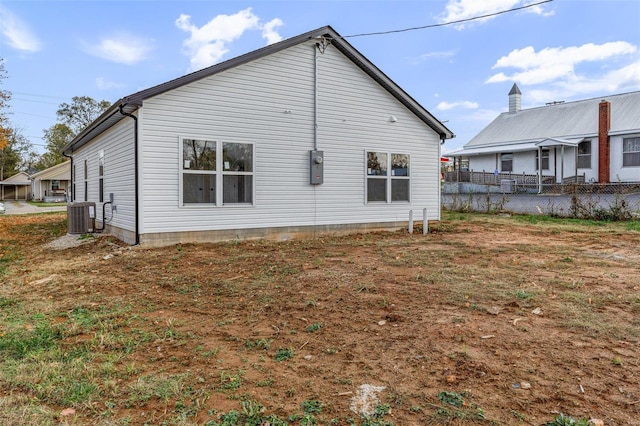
(80,112)
(56,137)
(72,119)
(17,155)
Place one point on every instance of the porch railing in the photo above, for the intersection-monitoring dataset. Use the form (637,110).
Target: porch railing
(492,178)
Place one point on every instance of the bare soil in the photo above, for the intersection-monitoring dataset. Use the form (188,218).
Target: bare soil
(523,320)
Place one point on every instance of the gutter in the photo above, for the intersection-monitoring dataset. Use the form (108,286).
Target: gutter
(73,178)
(135,172)
(106,116)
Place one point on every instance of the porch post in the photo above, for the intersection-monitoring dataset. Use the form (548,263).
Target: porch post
(539,170)
(561,163)
(575,162)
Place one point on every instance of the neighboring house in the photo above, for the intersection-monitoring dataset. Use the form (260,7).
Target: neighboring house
(302,136)
(597,140)
(17,187)
(52,184)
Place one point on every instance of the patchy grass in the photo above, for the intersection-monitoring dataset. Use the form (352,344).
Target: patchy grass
(452,325)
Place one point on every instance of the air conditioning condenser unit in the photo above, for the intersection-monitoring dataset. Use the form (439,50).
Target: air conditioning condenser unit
(81,217)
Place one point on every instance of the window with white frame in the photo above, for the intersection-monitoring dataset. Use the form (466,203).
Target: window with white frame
(545,159)
(584,155)
(101,176)
(385,186)
(86,180)
(215,172)
(631,152)
(73,187)
(237,173)
(506,162)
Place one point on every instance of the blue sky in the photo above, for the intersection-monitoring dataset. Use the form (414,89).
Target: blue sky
(562,50)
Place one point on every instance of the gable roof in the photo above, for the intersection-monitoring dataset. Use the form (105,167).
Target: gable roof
(130,103)
(60,171)
(20,178)
(570,120)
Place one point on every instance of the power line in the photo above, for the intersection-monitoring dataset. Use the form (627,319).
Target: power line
(27,113)
(37,96)
(448,23)
(34,100)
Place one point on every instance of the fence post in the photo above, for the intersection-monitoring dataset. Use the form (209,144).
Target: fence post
(425,222)
(411,221)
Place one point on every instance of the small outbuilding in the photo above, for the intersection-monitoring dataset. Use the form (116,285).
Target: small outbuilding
(301,137)
(16,187)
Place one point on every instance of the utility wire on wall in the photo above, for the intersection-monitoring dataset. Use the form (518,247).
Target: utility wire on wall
(448,23)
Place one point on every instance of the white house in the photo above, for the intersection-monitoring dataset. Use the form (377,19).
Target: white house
(52,184)
(597,139)
(302,136)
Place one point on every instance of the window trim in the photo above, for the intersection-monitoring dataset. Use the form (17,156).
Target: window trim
(219,173)
(502,162)
(630,152)
(86,180)
(389,177)
(590,154)
(548,152)
(73,183)
(101,176)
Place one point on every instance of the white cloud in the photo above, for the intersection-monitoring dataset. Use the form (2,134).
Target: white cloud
(457,10)
(16,33)
(624,79)
(269,31)
(444,105)
(122,48)
(208,44)
(103,84)
(556,63)
(433,55)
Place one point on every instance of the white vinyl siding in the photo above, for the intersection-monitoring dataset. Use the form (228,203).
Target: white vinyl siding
(270,103)
(116,148)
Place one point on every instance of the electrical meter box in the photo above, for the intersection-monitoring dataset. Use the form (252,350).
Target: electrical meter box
(316,167)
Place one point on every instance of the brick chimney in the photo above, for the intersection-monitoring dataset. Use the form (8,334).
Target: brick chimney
(604,124)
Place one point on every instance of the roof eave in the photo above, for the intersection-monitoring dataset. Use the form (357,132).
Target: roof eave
(103,122)
(134,101)
(396,91)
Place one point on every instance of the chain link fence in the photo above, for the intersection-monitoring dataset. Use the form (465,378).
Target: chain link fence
(618,201)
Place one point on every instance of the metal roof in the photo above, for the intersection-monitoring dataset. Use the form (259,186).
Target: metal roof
(470,152)
(568,120)
(131,103)
(515,147)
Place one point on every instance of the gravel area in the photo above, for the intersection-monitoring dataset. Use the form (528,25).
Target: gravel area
(69,241)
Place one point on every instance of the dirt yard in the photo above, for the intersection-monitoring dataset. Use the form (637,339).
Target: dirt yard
(486,320)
